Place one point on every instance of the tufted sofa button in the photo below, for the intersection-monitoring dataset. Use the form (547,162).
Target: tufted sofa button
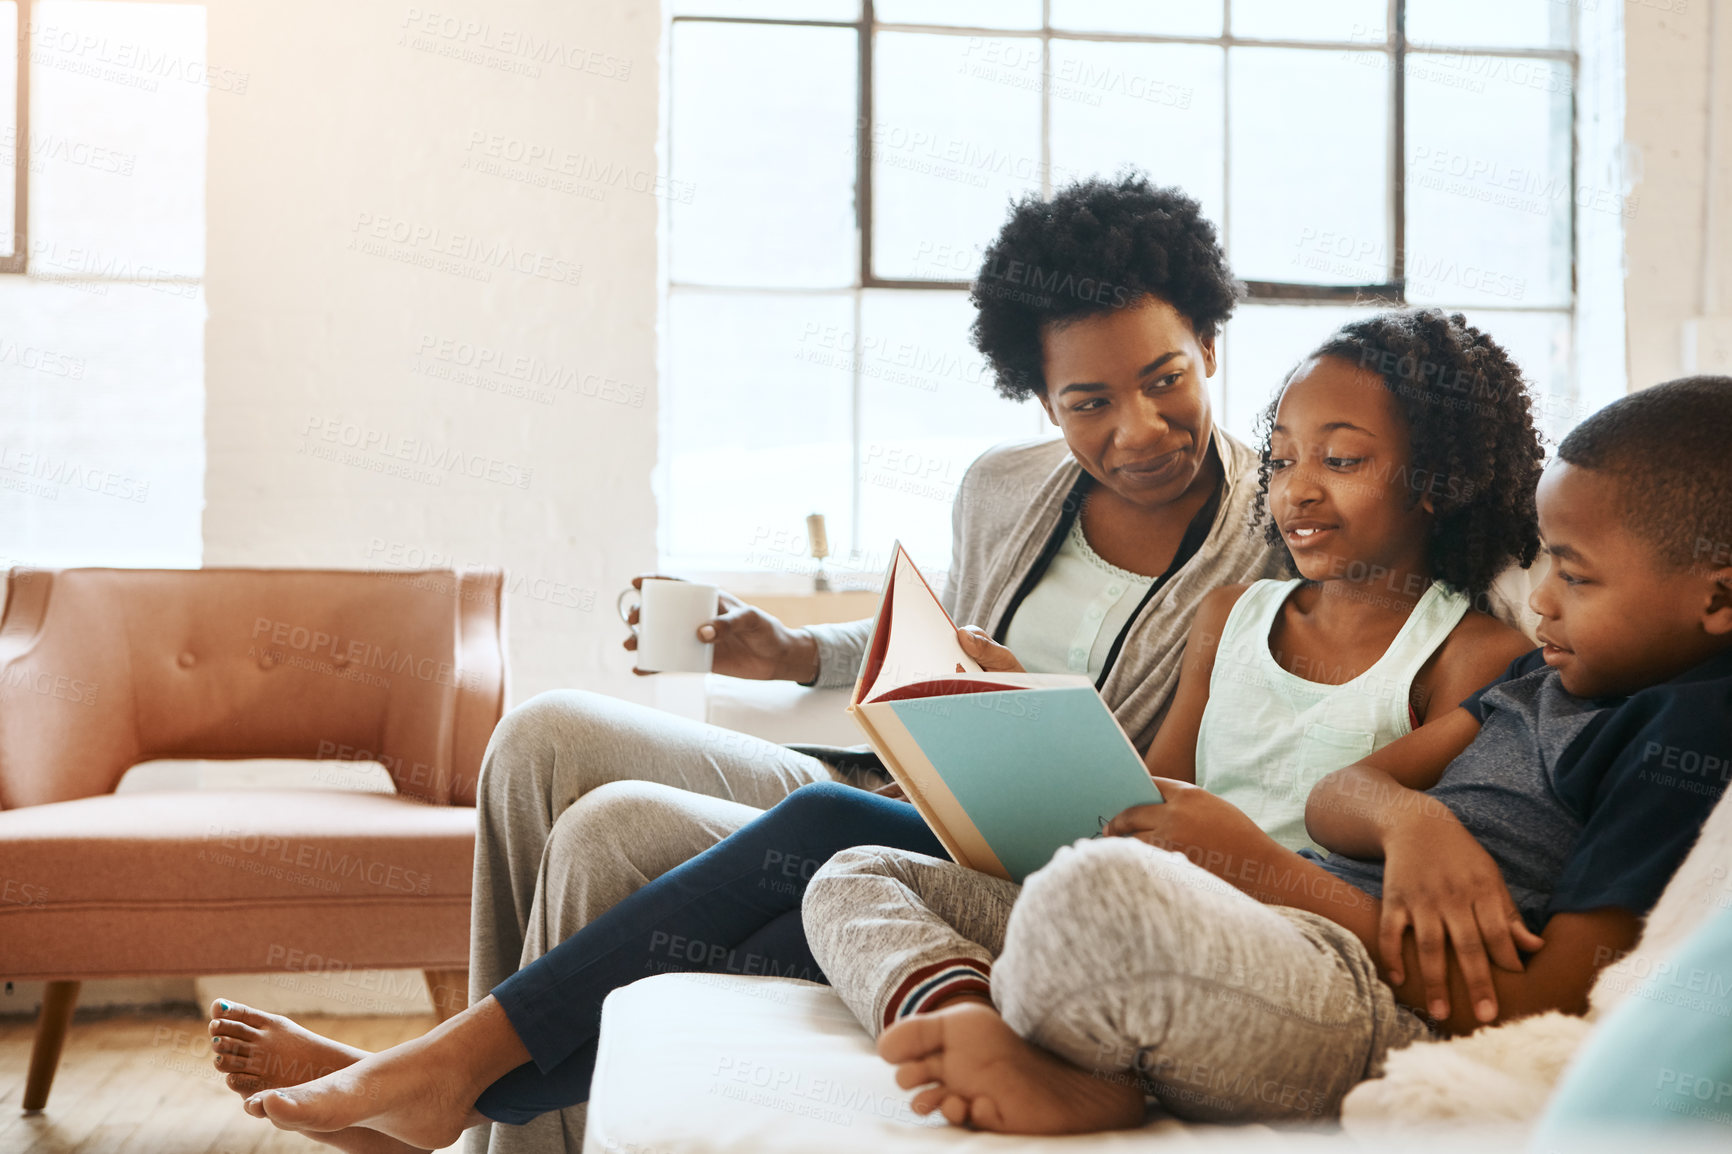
(185,660)
(267,659)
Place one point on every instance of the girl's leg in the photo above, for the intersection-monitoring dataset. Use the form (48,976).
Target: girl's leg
(718,913)
(1124,959)
(897,932)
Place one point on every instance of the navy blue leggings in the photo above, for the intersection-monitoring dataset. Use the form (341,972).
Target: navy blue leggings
(733,909)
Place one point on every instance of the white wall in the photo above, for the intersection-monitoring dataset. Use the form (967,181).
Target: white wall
(1678,114)
(376,279)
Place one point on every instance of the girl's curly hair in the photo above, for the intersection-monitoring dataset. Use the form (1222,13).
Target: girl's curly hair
(1475,450)
(1098,245)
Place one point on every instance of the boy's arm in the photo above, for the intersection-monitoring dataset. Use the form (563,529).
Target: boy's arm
(1173,752)
(1347,812)
(1441,883)
(1221,839)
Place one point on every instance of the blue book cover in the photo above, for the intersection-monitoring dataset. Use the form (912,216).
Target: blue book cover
(1032,769)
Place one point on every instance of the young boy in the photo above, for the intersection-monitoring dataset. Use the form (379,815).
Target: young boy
(1234,980)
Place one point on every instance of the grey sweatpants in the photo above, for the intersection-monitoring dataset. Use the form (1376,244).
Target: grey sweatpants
(583,799)
(1122,958)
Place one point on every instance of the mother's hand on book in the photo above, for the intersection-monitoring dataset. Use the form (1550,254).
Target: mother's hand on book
(749,642)
(993,657)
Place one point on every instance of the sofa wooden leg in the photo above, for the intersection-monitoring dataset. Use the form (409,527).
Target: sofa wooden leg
(449,990)
(58,1000)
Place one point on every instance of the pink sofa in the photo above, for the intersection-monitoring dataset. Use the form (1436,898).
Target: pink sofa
(101,669)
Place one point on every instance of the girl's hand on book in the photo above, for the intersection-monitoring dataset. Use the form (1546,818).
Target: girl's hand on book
(1191,819)
(1440,882)
(993,657)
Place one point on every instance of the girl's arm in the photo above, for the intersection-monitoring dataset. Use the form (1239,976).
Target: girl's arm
(1173,752)
(1474,654)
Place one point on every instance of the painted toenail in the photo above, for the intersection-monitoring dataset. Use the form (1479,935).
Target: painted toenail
(222,1005)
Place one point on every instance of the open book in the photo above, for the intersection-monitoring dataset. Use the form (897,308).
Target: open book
(1005,767)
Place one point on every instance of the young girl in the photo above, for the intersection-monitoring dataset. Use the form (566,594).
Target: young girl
(1399,467)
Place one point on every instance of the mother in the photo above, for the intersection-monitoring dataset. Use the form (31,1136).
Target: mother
(1086,554)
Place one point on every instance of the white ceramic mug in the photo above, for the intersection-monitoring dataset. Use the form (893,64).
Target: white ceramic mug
(669,613)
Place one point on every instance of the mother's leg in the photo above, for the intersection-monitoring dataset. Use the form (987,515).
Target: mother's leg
(557,747)
(608,844)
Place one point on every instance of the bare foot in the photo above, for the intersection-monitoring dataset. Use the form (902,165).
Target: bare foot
(421,1093)
(978,1072)
(360,1140)
(260,1051)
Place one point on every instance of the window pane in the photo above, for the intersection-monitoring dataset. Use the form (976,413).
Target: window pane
(8,123)
(1262,343)
(1491,23)
(103,461)
(1540,344)
(960,13)
(956,133)
(117,138)
(1488,185)
(1149,17)
(1260,346)
(1310,157)
(927,409)
(782,9)
(1311,20)
(1155,106)
(771,179)
(759,396)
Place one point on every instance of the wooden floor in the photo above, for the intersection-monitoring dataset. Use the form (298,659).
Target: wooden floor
(144,1084)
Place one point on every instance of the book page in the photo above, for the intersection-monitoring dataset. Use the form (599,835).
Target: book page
(920,639)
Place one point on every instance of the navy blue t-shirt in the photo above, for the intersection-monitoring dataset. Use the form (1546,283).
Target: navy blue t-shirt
(1584,802)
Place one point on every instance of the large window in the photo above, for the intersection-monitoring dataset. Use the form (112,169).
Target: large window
(102,167)
(842,163)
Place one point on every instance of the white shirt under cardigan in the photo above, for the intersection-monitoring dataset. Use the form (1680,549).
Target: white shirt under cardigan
(1007,509)
(1068,622)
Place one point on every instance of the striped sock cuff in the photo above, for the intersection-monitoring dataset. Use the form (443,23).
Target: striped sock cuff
(933,983)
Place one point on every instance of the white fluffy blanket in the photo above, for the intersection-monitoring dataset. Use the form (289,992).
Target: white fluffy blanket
(1506,1073)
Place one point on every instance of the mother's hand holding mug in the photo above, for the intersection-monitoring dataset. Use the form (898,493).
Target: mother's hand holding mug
(744,640)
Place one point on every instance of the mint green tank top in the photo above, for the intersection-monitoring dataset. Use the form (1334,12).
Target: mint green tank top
(1269,735)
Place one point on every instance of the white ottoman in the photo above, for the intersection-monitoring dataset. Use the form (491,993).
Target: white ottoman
(695,1063)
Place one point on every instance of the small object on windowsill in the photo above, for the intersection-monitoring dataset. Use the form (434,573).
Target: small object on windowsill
(820,543)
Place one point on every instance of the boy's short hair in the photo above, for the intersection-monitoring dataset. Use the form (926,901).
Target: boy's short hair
(1669,447)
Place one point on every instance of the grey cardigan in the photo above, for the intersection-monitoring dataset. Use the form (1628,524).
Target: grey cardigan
(1006,509)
